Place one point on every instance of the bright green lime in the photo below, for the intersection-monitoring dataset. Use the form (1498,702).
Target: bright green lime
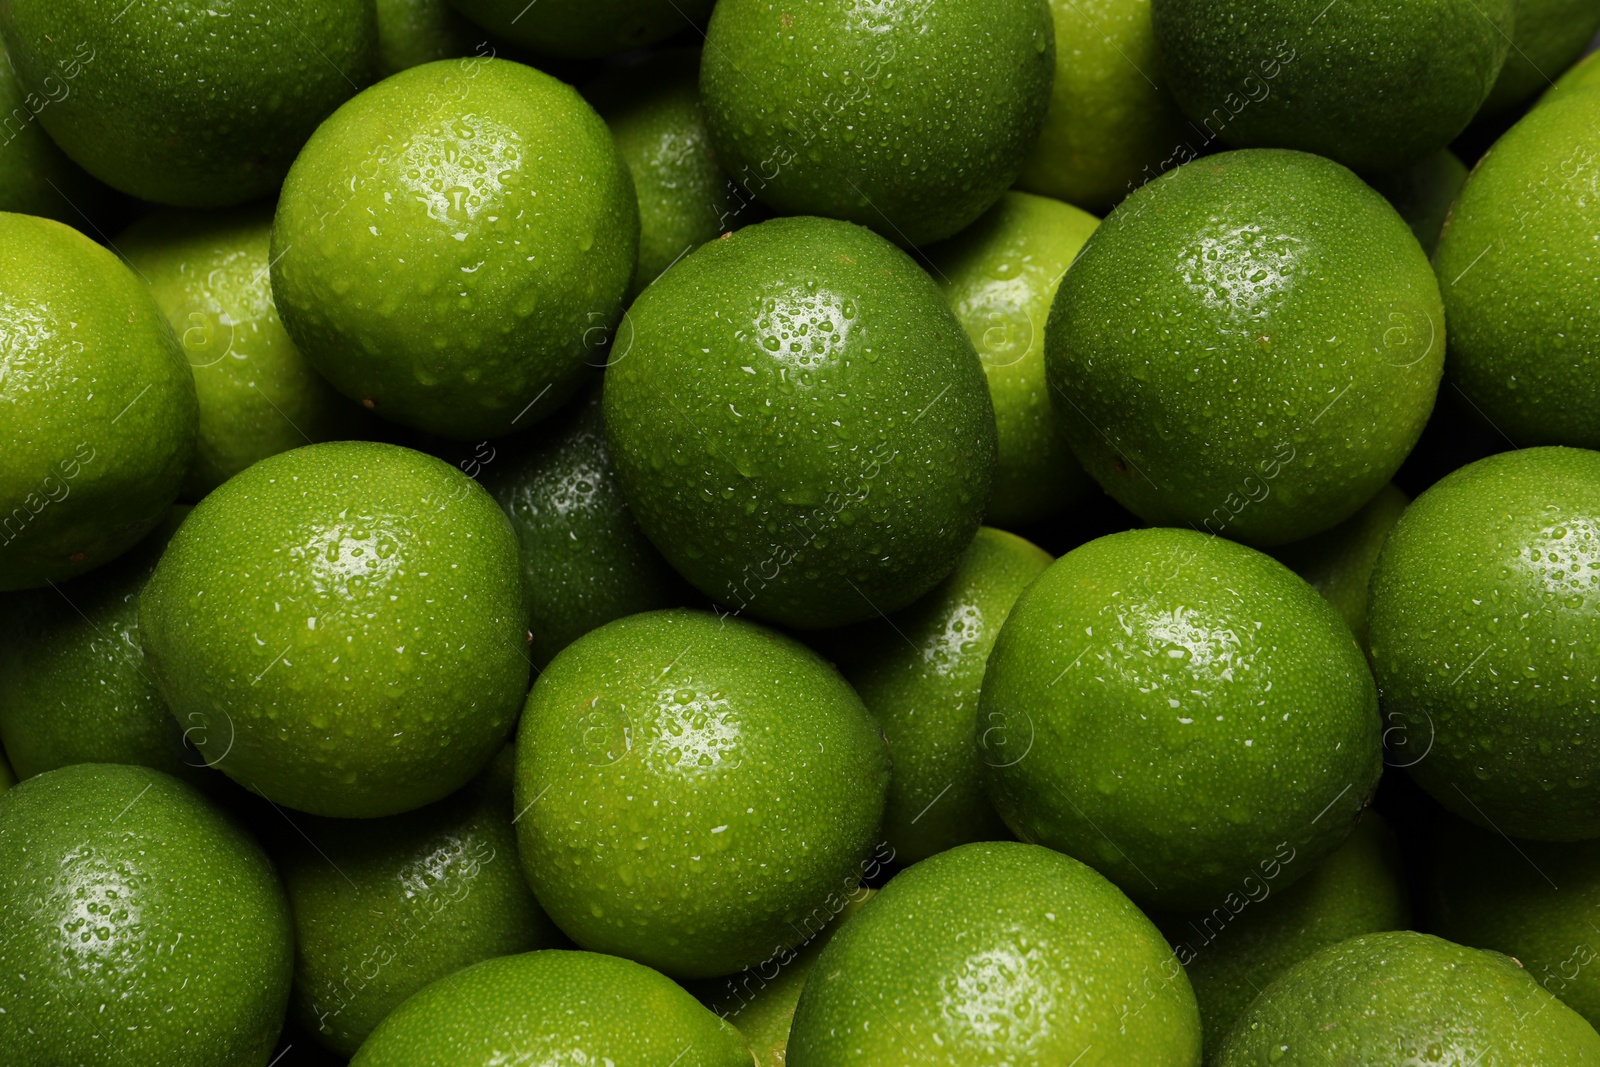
(36,177)
(919,672)
(822,108)
(142,926)
(1338,562)
(1581,76)
(1549,37)
(344,627)
(1000,275)
(189,103)
(453,245)
(586,29)
(1249,345)
(414,32)
(1180,712)
(1388,998)
(208,271)
(1423,193)
(97,407)
(997,954)
(800,423)
(689,787)
(1485,631)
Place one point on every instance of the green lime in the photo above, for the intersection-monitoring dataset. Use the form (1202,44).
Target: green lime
(821,108)
(452,245)
(1532,900)
(1486,639)
(1234,950)
(36,177)
(1250,345)
(690,787)
(189,103)
(1180,712)
(384,907)
(800,423)
(97,408)
(653,109)
(414,32)
(74,686)
(1338,562)
(585,561)
(1387,998)
(586,29)
(997,953)
(142,926)
(1515,265)
(1373,86)
(344,626)
(919,672)
(208,271)
(1548,38)
(1112,125)
(553,1007)
(1423,193)
(1580,76)
(1000,275)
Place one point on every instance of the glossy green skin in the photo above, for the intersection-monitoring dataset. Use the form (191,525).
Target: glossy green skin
(1112,125)
(1363,82)
(1338,562)
(1232,952)
(685,200)
(1367,1000)
(911,117)
(691,788)
(585,561)
(74,687)
(1485,630)
(553,1007)
(209,273)
(414,32)
(126,85)
(1582,75)
(1250,345)
(142,926)
(586,29)
(1548,37)
(800,423)
(997,953)
(1516,267)
(384,907)
(1487,892)
(414,668)
(36,177)
(447,169)
(97,407)
(1423,193)
(920,673)
(1000,275)
(1178,711)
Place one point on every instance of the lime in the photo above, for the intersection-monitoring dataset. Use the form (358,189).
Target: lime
(1423,193)
(1338,562)
(36,177)
(414,32)
(1549,37)
(800,423)
(342,628)
(1580,76)
(447,168)
(586,29)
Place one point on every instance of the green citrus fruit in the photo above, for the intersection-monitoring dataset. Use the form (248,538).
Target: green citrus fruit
(1385,998)
(36,177)
(820,108)
(1371,85)
(586,29)
(344,626)
(689,787)
(1000,275)
(997,953)
(800,423)
(414,32)
(186,102)
(1233,951)
(1580,76)
(97,408)
(1112,125)
(142,926)
(1423,193)
(1514,265)
(1548,37)
(502,195)
(1485,631)
(553,1007)
(585,561)
(208,271)
(919,672)
(1250,344)
(1178,711)
(1338,562)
